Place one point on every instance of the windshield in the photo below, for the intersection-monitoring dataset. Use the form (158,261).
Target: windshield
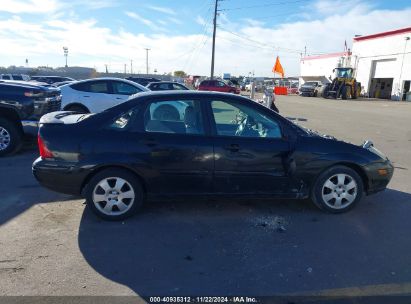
(310,83)
(344,73)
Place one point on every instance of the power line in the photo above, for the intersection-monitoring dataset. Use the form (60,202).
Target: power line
(261,43)
(263,5)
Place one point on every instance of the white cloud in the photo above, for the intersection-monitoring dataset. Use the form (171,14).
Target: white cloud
(162,9)
(30,6)
(200,20)
(145,21)
(93,44)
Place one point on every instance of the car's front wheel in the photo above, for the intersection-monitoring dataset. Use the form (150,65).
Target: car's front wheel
(337,190)
(114,194)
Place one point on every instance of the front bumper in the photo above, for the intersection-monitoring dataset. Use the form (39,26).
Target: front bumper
(64,178)
(307,93)
(376,181)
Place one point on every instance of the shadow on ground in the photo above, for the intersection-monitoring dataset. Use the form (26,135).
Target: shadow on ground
(18,187)
(254,248)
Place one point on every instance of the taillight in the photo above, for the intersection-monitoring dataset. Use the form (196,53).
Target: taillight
(44,151)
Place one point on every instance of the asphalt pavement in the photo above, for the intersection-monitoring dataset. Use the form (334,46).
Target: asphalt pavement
(52,245)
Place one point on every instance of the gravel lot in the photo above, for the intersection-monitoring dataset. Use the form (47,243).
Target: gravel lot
(51,245)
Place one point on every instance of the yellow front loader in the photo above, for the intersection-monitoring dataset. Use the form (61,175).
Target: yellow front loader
(344,85)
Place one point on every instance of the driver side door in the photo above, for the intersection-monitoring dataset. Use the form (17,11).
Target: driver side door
(249,150)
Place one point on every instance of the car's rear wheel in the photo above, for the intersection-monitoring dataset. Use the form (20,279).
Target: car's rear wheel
(114,194)
(11,138)
(337,190)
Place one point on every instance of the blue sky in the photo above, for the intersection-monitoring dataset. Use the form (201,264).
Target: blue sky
(249,36)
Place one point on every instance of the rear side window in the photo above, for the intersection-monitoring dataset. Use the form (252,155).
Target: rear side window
(6,77)
(125,121)
(92,86)
(174,116)
(205,83)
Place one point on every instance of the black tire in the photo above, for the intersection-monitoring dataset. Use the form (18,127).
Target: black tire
(317,190)
(11,138)
(77,108)
(110,174)
(325,91)
(344,92)
(315,94)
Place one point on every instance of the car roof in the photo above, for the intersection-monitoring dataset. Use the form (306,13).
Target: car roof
(187,93)
(160,82)
(24,84)
(110,78)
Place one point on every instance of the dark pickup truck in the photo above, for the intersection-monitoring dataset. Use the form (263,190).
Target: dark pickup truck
(21,106)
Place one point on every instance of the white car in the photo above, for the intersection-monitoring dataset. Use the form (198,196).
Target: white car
(98,94)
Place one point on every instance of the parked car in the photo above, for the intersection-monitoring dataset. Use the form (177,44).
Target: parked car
(98,94)
(311,88)
(166,86)
(218,86)
(21,106)
(59,84)
(224,146)
(144,81)
(21,77)
(51,79)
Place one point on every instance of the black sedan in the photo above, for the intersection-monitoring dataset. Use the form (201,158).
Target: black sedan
(160,145)
(166,86)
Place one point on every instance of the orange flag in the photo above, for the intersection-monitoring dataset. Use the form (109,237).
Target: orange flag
(278,68)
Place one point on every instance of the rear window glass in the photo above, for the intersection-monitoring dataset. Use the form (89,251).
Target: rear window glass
(125,121)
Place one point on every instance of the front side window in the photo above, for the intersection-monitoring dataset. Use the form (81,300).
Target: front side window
(234,119)
(122,88)
(177,86)
(174,116)
(163,86)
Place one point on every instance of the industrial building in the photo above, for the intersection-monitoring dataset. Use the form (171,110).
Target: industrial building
(382,62)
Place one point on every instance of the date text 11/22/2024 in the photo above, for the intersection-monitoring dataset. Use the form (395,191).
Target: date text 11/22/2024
(200,299)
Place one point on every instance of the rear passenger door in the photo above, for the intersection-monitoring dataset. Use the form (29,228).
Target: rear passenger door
(177,150)
(93,94)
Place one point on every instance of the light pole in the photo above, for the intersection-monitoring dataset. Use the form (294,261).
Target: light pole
(65,49)
(147,59)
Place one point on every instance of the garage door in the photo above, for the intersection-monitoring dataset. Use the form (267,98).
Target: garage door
(384,68)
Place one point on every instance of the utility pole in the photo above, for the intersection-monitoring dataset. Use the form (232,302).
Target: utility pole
(214,32)
(106,68)
(147,59)
(131,66)
(65,49)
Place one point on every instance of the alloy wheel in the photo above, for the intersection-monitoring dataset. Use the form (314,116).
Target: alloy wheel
(339,191)
(113,196)
(4,139)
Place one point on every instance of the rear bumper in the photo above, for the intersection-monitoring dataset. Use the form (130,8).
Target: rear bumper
(376,181)
(63,178)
